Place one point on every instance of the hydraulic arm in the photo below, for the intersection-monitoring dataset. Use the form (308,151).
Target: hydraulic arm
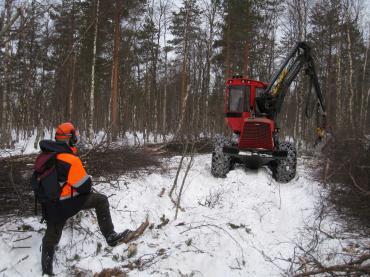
(272,98)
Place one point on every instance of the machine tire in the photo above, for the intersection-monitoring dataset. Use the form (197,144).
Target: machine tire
(284,170)
(221,162)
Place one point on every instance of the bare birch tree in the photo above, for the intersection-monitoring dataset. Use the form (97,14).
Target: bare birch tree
(92,87)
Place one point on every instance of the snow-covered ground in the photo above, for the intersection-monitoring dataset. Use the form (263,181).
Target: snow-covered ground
(204,240)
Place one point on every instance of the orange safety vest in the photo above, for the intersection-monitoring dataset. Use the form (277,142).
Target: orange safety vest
(72,176)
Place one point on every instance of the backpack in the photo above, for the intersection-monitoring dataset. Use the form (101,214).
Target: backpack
(44,180)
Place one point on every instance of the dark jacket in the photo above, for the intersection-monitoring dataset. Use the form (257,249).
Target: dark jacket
(73,180)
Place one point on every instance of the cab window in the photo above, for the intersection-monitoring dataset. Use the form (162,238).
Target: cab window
(239,99)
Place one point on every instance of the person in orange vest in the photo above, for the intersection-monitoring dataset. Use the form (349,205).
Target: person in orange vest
(76,195)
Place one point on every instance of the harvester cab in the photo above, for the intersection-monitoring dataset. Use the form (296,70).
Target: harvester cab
(251,109)
(244,117)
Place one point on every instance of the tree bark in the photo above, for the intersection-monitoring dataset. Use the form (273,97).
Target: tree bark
(228,44)
(71,92)
(247,44)
(92,88)
(350,75)
(301,10)
(365,94)
(73,64)
(184,73)
(4,117)
(338,110)
(164,105)
(115,71)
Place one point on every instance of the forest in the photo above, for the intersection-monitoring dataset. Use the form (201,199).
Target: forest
(159,67)
(147,85)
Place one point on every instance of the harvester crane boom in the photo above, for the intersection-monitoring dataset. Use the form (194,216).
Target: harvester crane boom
(299,57)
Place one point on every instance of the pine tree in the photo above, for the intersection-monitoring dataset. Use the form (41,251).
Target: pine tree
(186,31)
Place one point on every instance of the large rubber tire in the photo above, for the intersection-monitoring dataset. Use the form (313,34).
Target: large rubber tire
(284,170)
(221,162)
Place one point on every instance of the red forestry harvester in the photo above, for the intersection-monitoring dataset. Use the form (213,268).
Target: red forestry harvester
(251,108)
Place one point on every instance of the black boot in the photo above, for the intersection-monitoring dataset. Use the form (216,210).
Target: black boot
(115,238)
(47,256)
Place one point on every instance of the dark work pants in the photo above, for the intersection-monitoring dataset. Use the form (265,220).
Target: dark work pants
(96,201)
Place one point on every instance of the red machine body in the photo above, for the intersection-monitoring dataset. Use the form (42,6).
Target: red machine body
(255,130)
(251,109)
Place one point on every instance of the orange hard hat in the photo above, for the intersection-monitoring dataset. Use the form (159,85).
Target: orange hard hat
(66,130)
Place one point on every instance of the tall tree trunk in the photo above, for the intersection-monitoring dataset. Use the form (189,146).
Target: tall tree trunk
(328,90)
(184,73)
(366,111)
(71,91)
(247,42)
(211,22)
(164,105)
(5,113)
(272,52)
(73,65)
(365,94)
(301,10)
(350,74)
(115,70)
(338,96)
(92,88)
(154,77)
(228,44)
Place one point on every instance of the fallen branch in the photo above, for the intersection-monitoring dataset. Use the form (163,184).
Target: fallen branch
(21,260)
(138,232)
(145,261)
(99,145)
(338,268)
(218,227)
(23,238)
(365,192)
